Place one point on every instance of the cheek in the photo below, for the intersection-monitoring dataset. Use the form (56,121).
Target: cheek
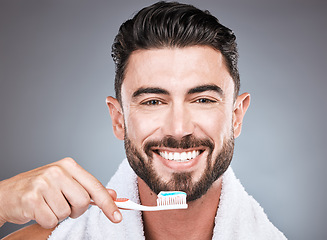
(215,125)
(140,126)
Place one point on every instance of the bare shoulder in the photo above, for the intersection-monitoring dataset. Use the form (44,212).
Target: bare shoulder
(34,232)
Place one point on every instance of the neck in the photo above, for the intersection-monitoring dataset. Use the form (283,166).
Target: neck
(195,222)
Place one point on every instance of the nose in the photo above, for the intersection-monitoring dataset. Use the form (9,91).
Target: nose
(178,122)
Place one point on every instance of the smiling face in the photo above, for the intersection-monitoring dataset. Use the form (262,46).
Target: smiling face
(177,117)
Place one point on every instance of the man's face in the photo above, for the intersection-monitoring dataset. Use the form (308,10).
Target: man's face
(177,105)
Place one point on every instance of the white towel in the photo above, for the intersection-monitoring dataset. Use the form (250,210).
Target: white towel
(239,215)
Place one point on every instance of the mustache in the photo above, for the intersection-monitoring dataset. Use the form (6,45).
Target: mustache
(185,142)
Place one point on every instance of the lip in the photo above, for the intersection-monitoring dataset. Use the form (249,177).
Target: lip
(188,165)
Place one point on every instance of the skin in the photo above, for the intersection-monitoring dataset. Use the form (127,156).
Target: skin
(148,116)
(177,111)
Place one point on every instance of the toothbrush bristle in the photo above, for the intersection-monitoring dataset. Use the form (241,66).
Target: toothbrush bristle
(171,198)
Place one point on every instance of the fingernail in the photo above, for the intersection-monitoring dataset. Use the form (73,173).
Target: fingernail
(117,216)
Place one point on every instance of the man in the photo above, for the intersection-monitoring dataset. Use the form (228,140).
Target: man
(178,110)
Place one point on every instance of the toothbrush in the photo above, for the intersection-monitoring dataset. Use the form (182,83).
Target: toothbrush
(167,200)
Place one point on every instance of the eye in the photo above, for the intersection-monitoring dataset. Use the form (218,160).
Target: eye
(152,102)
(205,100)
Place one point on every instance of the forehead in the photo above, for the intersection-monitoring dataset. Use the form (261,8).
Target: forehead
(176,69)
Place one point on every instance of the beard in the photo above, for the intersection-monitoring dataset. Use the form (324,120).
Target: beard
(180,181)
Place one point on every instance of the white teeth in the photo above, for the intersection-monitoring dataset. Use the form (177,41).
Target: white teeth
(183,156)
(194,154)
(179,157)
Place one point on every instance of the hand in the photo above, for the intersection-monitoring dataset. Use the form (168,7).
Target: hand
(53,192)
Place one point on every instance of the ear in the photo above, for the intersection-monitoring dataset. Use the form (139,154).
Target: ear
(240,106)
(117,117)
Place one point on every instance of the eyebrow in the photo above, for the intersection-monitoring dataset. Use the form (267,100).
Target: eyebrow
(150,90)
(204,88)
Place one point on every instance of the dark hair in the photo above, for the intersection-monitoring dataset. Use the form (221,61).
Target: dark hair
(172,24)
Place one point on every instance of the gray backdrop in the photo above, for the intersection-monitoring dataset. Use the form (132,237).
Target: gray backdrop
(56,71)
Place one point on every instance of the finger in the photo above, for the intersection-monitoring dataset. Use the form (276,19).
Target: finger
(96,190)
(112,193)
(77,196)
(58,204)
(44,216)
(102,199)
